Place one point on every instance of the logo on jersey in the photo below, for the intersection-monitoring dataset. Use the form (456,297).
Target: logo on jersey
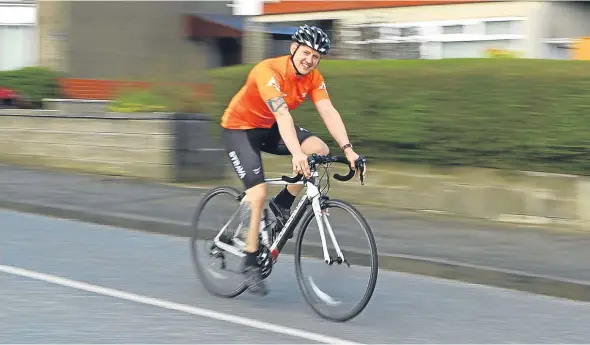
(302,97)
(272,82)
(323,87)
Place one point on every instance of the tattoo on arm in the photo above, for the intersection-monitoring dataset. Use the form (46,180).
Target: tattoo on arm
(277,103)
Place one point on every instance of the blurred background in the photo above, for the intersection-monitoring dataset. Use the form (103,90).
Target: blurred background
(89,39)
(484,84)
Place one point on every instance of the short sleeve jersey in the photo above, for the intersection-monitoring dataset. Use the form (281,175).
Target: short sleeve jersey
(271,78)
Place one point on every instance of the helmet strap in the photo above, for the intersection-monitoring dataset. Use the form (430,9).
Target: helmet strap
(293,62)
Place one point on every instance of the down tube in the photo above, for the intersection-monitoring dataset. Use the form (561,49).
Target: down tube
(289,227)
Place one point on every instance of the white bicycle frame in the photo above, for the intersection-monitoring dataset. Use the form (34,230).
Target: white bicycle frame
(313,193)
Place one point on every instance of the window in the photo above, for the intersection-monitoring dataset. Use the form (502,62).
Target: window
(452,29)
(499,28)
(410,31)
(18,46)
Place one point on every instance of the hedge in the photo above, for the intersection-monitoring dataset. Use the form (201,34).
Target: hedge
(499,113)
(33,83)
(164,97)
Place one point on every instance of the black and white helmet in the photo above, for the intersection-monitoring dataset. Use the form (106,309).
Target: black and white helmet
(313,37)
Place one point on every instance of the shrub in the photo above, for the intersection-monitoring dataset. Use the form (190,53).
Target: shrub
(498,113)
(158,98)
(33,83)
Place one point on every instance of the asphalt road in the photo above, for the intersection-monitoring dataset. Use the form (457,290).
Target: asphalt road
(68,281)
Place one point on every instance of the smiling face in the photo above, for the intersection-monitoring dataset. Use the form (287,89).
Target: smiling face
(305,58)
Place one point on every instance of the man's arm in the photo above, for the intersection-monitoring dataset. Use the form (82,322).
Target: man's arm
(330,116)
(333,121)
(285,123)
(269,86)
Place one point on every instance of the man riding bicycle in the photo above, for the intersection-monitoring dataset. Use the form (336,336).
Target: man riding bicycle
(258,119)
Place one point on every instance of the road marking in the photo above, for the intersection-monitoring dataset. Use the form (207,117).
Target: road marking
(172,305)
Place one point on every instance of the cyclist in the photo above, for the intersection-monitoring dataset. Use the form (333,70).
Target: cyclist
(258,119)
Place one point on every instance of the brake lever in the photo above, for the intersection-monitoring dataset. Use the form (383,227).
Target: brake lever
(360,164)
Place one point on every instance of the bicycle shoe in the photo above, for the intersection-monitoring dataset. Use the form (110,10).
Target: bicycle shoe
(253,279)
(282,214)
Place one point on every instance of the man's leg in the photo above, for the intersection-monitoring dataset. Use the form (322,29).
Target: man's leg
(244,156)
(254,200)
(281,204)
(310,145)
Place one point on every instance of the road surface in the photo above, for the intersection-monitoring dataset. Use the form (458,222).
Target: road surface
(68,281)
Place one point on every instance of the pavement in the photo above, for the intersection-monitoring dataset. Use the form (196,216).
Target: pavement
(535,259)
(66,281)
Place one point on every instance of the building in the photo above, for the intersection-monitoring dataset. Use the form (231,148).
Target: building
(440,29)
(125,39)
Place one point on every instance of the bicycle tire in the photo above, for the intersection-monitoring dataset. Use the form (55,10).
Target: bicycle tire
(306,219)
(195,236)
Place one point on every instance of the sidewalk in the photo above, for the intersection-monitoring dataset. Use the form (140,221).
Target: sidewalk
(536,259)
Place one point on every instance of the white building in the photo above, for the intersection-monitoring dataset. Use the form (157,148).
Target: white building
(18,35)
(455,29)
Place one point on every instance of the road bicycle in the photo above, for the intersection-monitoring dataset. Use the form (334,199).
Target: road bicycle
(314,204)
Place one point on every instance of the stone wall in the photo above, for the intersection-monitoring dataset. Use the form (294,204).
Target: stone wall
(180,148)
(498,195)
(159,146)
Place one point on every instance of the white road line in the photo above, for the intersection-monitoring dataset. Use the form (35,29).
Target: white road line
(172,306)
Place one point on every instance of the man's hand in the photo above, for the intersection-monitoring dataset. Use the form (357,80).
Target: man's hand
(300,164)
(352,157)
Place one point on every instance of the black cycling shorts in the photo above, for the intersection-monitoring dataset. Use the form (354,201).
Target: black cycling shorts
(244,146)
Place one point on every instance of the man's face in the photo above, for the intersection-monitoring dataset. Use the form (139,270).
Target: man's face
(305,59)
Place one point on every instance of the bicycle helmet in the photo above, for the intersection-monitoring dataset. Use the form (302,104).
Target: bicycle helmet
(313,37)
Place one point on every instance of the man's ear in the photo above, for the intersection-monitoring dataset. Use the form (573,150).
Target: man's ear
(293,47)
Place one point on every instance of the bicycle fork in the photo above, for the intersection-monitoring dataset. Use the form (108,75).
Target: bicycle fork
(321,217)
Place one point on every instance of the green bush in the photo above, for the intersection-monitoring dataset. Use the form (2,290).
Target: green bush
(33,83)
(498,113)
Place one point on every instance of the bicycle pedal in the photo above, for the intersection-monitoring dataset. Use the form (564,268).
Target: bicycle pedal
(215,252)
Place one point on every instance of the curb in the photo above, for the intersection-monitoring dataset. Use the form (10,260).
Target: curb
(434,267)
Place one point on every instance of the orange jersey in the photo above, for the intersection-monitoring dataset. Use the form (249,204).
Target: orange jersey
(271,78)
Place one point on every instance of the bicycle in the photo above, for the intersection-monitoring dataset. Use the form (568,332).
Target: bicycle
(314,204)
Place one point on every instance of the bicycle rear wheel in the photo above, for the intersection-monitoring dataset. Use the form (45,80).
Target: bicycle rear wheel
(203,233)
(314,296)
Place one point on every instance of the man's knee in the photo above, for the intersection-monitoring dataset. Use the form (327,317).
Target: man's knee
(315,145)
(256,195)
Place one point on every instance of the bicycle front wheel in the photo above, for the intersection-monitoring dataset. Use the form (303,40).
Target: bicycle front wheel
(215,210)
(350,230)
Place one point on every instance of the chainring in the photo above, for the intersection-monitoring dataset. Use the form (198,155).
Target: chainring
(264,261)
